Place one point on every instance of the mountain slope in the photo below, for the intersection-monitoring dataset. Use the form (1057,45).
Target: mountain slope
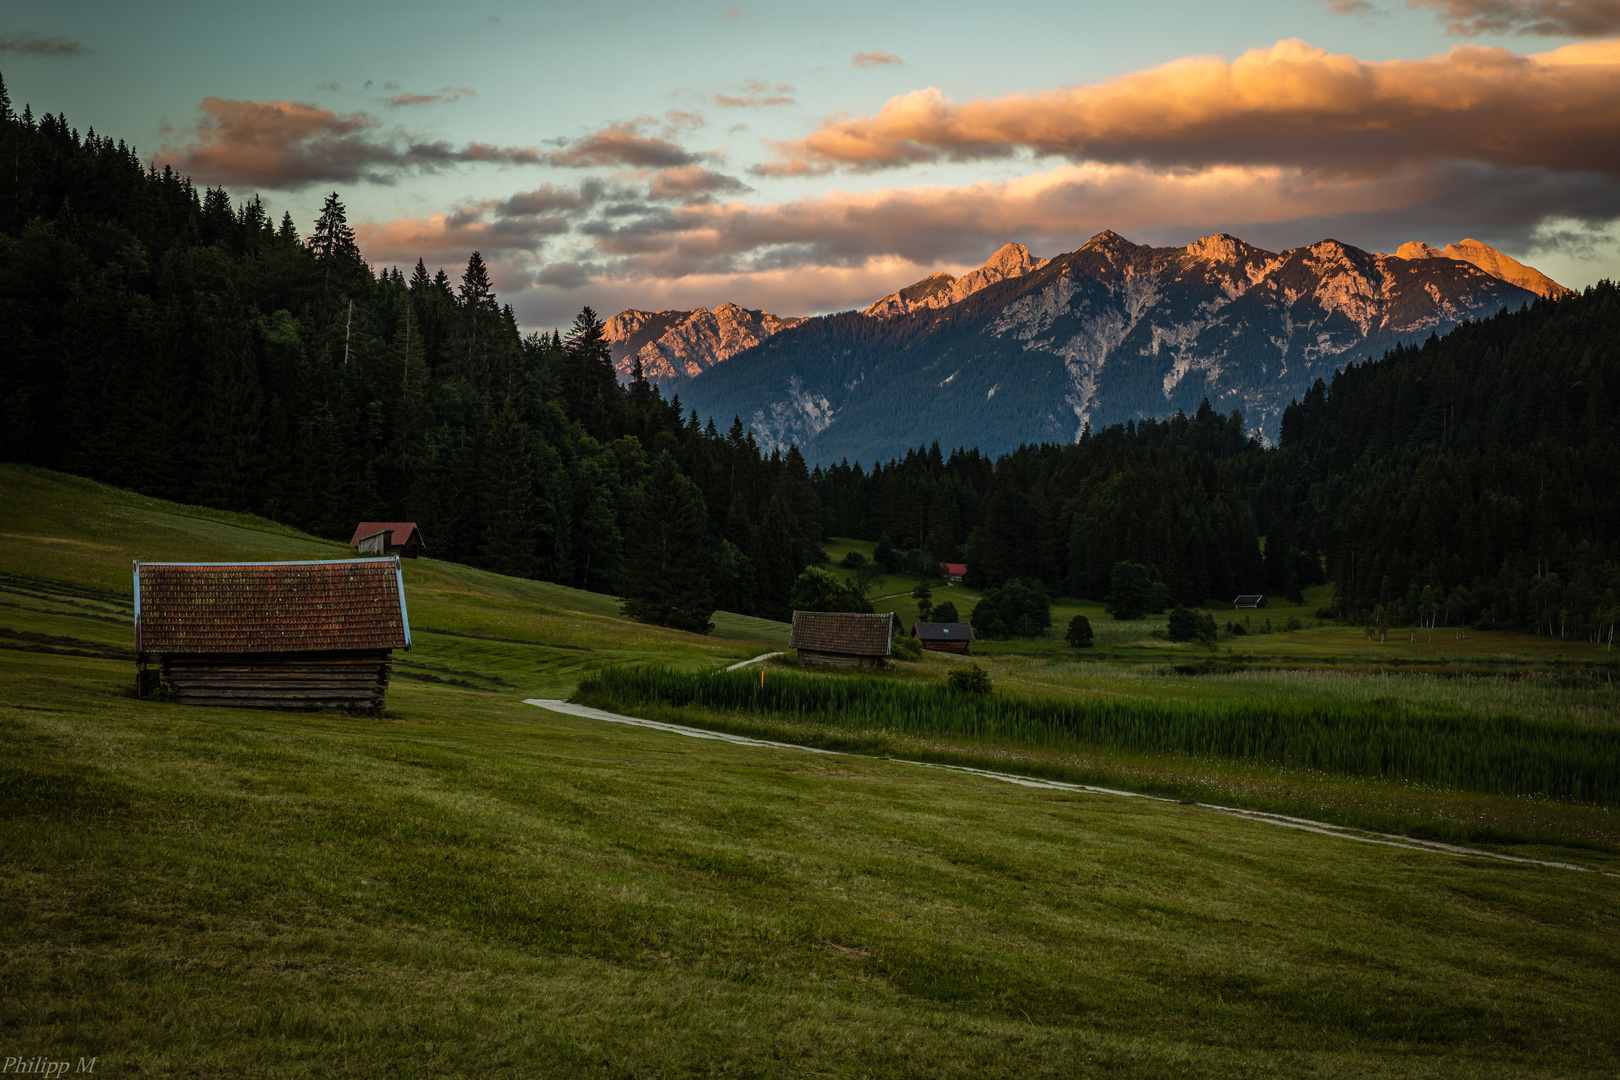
(943,290)
(1110,332)
(677,345)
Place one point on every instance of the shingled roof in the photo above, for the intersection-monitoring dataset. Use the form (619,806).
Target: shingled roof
(842,632)
(337,605)
(399,532)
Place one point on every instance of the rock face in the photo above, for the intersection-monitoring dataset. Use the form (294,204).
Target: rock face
(942,290)
(1110,332)
(678,345)
(1491,261)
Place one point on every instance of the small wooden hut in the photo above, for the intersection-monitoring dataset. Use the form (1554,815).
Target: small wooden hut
(953,571)
(951,637)
(841,637)
(400,538)
(1250,600)
(289,635)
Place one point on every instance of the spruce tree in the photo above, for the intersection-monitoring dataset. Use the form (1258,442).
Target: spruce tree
(663,571)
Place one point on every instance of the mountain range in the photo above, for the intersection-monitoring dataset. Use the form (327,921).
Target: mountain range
(1026,349)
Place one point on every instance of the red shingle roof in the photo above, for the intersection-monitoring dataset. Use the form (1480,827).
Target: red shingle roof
(842,632)
(399,532)
(953,569)
(270,607)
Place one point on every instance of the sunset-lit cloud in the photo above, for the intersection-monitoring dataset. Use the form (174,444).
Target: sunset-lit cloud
(288,145)
(622,144)
(1537,18)
(757,94)
(877,58)
(1290,104)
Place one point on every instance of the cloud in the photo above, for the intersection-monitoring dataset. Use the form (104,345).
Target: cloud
(1351,7)
(1535,18)
(331,85)
(731,13)
(757,93)
(1290,104)
(692,182)
(289,145)
(444,94)
(874,59)
(565,275)
(492,18)
(29,43)
(456,234)
(549,199)
(621,144)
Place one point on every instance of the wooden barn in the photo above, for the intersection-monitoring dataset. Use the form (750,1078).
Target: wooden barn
(288,635)
(401,538)
(953,571)
(1250,600)
(841,637)
(943,636)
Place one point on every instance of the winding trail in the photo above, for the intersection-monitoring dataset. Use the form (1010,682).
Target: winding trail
(1321,828)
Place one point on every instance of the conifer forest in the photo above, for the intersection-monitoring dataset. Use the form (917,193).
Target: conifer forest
(185,345)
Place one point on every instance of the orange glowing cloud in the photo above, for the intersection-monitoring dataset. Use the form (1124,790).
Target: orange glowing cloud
(1289,104)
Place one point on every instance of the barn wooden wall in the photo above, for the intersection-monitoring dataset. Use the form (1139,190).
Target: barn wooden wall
(279,680)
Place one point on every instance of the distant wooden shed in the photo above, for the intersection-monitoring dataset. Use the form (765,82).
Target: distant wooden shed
(954,637)
(953,571)
(1251,600)
(841,637)
(401,538)
(291,635)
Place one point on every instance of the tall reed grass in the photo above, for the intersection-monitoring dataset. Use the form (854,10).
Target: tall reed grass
(1426,743)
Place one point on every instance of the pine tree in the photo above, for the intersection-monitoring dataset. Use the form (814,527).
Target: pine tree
(505,494)
(663,574)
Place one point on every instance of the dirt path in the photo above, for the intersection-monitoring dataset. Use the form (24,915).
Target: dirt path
(1321,828)
(745,663)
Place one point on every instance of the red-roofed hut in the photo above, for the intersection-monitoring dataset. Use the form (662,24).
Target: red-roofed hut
(841,637)
(387,538)
(291,635)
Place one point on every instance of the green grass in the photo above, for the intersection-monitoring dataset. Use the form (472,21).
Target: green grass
(467,885)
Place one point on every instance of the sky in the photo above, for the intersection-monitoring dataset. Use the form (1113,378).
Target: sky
(810,157)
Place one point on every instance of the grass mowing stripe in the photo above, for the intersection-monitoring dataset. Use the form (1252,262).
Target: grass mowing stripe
(1500,754)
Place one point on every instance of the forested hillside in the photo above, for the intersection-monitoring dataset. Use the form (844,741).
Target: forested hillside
(1474,479)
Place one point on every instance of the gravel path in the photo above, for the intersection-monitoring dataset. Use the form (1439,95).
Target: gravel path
(1321,828)
(745,663)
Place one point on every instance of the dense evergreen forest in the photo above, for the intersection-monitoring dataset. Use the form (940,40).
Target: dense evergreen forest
(182,344)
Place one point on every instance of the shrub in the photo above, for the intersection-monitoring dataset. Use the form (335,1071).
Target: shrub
(946,612)
(852,560)
(822,590)
(1185,624)
(1020,608)
(1080,635)
(905,647)
(972,679)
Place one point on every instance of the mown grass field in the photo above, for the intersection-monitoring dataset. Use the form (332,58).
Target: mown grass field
(469,885)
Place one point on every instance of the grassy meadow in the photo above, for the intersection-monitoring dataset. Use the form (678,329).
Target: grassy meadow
(469,885)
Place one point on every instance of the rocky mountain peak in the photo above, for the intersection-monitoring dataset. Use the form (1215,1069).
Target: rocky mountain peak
(1488,259)
(1221,247)
(677,345)
(943,290)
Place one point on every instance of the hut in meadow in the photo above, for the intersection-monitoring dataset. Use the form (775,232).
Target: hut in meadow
(309,635)
(953,637)
(401,538)
(1249,600)
(953,571)
(841,637)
